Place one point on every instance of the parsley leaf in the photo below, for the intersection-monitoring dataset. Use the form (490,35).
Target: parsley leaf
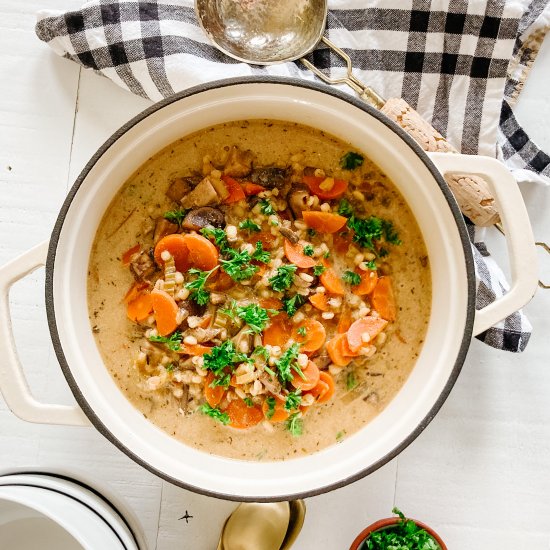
(293,400)
(255,316)
(390,234)
(371,265)
(301,331)
(270,407)
(345,209)
(351,382)
(291,305)
(219,236)
(318,270)
(196,287)
(295,425)
(222,356)
(249,225)
(261,255)
(351,278)
(238,266)
(170,367)
(286,362)
(215,413)
(175,216)
(309,250)
(248,401)
(283,278)
(266,208)
(173,342)
(261,351)
(311,232)
(351,160)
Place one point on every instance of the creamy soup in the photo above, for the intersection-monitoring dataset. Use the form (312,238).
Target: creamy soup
(259,290)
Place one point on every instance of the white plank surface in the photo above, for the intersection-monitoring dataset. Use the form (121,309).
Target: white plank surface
(480,473)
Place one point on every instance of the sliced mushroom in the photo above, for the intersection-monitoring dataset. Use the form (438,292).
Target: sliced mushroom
(239,163)
(289,234)
(297,200)
(203,195)
(162,228)
(142,266)
(180,187)
(271,384)
(270,177)
(202,217)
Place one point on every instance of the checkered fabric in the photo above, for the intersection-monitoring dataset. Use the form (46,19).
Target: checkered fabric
(449,59)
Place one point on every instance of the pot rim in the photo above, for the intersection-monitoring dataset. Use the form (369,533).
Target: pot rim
(388,522)
(289,82)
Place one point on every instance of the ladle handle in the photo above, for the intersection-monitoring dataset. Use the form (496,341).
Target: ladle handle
(472,193)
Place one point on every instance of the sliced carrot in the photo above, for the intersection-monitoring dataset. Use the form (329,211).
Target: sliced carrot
(327,393)
(271,303)
(314,338)
(383,299)
(320,389)
(202,253)
(311,373)
(338,188)
(220,281)
(369,279)
(176,245)
(205,321)
(372,326)
(335,351)
(332,282)
(345,321)
(213,395)
(250,188)
(166,312)
(266,238)
(278,331)
(140,307)
(320,301)
(242,416)
(324,222)
(134,291)
(127,256)
(279,413)
(194,349)
(234,189)
(295,255)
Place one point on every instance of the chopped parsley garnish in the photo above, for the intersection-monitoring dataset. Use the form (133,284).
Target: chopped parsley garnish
(172,342)
(222,356)
(221,380)
(270,407)
(218,235)
(301,331)
(311,232)
(345,209)
(170,367)
(261,255)
(340,435)
(249,225)
(309,250)
(371,265)
(238,265)
(404,535)
(175,216)
(293,400)
(295,425)
(351,382)
(318,270)
(266,208)
(215,413)
(390,234)
(351,278)
(284,278)
(291,305)
(287,362)
(255,316)
(248,401)
(261,351)
(196,287)
(351,160)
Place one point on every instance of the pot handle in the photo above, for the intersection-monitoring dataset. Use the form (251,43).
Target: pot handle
(13,384)
(519,235)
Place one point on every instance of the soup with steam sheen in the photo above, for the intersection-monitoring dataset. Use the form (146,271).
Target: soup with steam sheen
(259,290)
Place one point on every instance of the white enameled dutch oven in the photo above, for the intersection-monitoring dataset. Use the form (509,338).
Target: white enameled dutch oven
(418,176)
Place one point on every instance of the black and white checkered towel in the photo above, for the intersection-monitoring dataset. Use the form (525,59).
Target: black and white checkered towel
(449,59)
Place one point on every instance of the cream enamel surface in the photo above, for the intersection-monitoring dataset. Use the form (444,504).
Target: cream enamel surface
(119,340)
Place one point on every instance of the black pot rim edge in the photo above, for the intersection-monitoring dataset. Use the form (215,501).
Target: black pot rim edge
(470,310)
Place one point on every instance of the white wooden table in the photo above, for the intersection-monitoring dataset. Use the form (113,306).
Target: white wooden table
(480,473)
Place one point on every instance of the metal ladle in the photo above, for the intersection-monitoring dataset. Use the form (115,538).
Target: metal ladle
(266,32)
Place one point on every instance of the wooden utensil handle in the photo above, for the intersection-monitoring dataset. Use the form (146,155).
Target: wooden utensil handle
(471,192)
